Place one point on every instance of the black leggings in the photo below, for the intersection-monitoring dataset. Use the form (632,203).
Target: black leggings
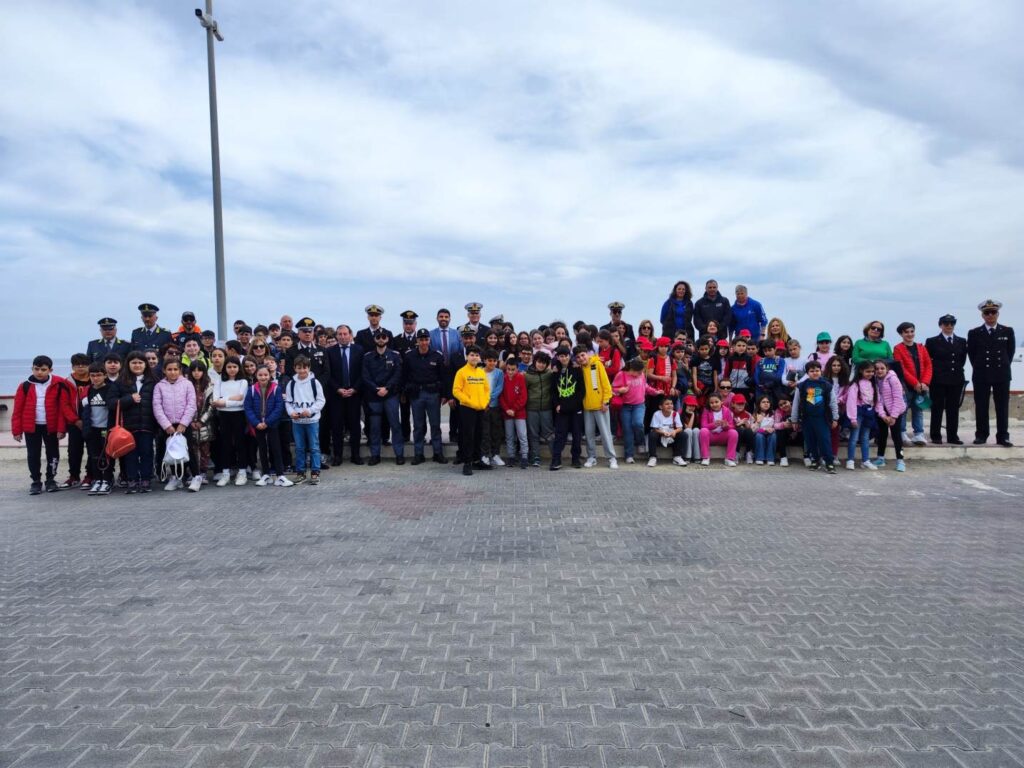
(231,440)
(269,444)
(884,430)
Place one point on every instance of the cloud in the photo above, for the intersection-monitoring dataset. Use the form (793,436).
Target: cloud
(543,159)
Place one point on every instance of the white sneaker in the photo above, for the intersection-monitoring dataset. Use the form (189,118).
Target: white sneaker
(496,461)
(485,460)
(705,462)
(868,465)
(750,458)
(613,463)
(591,462)
(630,460)
(203,480)
(196,484)
(730,463)
(784,461)
(759,463)
(262,480)
(851,464)
(224,479)
(908,438)
(283,482)
(242,477)
(173,484)
(807,461)
(652,462)
(679,461)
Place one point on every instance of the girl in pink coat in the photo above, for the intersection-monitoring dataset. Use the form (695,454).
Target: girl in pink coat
(717,426)
(892,404)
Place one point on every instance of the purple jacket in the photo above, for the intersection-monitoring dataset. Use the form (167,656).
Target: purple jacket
(890,395)
(174,403)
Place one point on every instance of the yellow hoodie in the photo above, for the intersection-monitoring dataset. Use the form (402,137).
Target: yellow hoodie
(597,391)
(472,388)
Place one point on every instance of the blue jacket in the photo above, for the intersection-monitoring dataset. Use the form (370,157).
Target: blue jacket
(381,371)
(454,341)
(254,407)
(750,316)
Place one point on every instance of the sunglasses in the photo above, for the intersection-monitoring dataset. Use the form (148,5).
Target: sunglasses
(875,328)
(259,346)
(990,312)
(725,386)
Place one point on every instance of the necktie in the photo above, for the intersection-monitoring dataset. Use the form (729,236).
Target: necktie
(344,367)
(949,339)
(110,345)
(444,344)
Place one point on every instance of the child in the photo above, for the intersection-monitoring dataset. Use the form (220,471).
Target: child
(744,424)
(174,407)
(662,377)
(264,409)
(764,437)
(666,429)
(716,426)
(539,403)
(568,414)
(794,365)
(493,430)
(891,406)
(96,415)
(597,394)
(229,400)
(703,375)
(844,349)
(916,364)
(135,393)
(739,369)
(513,411)
(785,431)
(112,366)
(838,374)
(691,427)
(822,353)
(471,389)
(303,400)
(632,388)
(76,443)
(769,373)
(814,406)
(202,425)
(682,365)
(861,397)
(43,407)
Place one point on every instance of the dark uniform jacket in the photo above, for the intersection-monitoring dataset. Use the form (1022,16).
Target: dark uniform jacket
(364,339)
(318,364)
(355,368)
(180,337)
(143,339)
(423,373)
(381,371)
(401,344)
(990,353)
(948,359)
(99,349)
(481,331)
(718,309)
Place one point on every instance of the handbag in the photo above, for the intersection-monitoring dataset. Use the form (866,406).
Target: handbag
(120,442)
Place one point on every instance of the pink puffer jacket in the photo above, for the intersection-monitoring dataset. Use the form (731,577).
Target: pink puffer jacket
(890,395)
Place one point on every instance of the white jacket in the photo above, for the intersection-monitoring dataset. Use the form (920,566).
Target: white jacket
(304,395)
(222,390)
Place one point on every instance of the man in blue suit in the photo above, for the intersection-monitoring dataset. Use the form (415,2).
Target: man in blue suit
(346,373)
(444,338)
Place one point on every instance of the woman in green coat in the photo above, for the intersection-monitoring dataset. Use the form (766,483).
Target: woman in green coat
(873,346)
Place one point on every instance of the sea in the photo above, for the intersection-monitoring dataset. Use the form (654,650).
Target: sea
(13,372)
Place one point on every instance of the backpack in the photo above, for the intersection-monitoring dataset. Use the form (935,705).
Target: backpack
(291,389)
(175,457)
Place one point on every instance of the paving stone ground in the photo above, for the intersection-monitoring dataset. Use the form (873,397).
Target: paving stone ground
(413,617)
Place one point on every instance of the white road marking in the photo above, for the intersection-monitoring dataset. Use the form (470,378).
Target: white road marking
(977,484)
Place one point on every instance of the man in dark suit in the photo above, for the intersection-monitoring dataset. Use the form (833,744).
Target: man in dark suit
(473,323)
(949,355)
(150,335)
(402,343)
(990,348)
(615,312)
(346,364)
(107,342)
(364,338)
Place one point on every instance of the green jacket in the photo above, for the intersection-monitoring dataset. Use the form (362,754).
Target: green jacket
(539,395)
(867,350)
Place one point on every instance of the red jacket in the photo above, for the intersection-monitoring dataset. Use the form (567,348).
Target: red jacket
(901,354)
(513,396)
(61,407)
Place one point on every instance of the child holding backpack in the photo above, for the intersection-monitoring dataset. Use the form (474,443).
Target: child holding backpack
(174,407)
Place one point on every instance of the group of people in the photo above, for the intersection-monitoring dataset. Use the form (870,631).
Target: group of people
(279,401)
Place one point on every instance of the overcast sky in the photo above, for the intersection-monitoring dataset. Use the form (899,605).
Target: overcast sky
(847,161)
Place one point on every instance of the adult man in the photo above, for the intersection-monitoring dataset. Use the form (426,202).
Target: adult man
(423,376)
(712,306)
(287,324)
(188,330)
(949,355)
(382,377)
(990,348)
(402,343)
(319,366)
(473,320)
(149,335)
(346,364)
(365,337)
(747,314)
(615,312)
(107,342)
(445,339)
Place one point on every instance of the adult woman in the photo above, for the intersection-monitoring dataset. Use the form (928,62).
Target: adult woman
(645,330)
(677,311)
(873,346)
(258,352)
(777,331)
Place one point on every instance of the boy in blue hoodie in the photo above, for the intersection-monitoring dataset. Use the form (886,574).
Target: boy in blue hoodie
(817,410)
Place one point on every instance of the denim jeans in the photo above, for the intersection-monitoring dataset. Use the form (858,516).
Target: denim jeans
(307,438)
(515,429)
(859,435)
(818,438)
(540,425)
(632,428)
(379,410)
(426,408)
(764,446)
(916,415)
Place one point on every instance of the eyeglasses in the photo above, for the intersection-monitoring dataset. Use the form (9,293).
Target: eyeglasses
(259,346)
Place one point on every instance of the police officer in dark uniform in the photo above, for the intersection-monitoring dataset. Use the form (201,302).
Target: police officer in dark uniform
(473,320)
(364,338)
(107,342)
(991,347)
(423,377)
(319,367)
(949,355)
(629,340)
(402,343)
(150,335)
(188,330)
(382,383)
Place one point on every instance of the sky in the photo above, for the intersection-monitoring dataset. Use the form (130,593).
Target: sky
(847,162)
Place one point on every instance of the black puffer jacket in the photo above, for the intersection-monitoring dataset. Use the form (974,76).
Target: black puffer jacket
(136,417)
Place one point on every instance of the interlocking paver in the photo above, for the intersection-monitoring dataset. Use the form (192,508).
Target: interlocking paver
(409,616)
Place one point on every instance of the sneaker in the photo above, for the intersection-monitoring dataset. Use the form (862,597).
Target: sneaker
(94,489)
(283,482)
(613,463)
(679,461)
(196,484)
(807,461)
(812,465)
(641,448)
(868,465)
(145,487)
(908,437)
(314,478)
(555,467)
(104,489)
(630,460)
(224,479)
(86,483)
(535,463)
(769,463)
(577,464)
(750,458)
(122,481)
(298,477)
(133,487)
(759,463)
(652,462)
(262,480)
(730,463)
(901,465)
(51,486)
(590,462)
(705,462)
(37,488)
(879,462)
(784,461)
(242,477)
(485,460)
(467,468)
(496,461)
(851,464)
(173,484)
(919,440)
(71,482)
(830,468)
(523,463)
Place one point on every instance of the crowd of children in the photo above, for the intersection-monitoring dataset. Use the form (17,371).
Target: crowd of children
(251,408)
